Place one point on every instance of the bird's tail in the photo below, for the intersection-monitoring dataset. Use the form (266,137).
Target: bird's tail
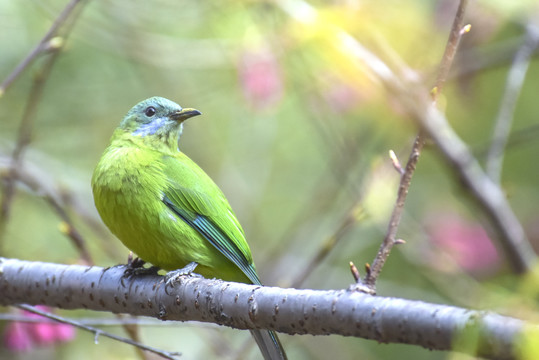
(269,344)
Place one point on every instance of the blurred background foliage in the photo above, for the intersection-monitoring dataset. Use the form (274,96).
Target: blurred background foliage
(294,132)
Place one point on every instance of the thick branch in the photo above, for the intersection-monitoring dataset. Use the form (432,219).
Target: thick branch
(241,306)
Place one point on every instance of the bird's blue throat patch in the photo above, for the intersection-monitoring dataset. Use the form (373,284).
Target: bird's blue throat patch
(151,127)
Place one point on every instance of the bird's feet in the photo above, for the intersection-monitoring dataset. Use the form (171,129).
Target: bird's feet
(173,277)
(135,267)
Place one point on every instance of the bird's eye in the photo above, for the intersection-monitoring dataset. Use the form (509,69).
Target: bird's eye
(150,111)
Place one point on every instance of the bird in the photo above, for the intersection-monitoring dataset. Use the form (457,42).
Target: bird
(166,209)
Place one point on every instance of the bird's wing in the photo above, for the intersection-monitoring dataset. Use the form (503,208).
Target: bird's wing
(195,198)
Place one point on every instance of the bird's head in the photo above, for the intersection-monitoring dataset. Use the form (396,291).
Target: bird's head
(157,119)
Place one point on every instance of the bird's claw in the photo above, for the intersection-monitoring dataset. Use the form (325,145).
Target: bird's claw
(134,263)
(173,277)
(135,267)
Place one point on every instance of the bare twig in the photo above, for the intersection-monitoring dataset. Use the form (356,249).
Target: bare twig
(92,321)
(67,226)
(515,80)
(25,131)
(355,272)
(99,332)
(42,46)
(396,215)
(457,30)
(396,163)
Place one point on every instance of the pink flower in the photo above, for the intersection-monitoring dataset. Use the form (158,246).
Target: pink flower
(23,336)
(17,337)
(261,78)
(464,241)
(342,97)
(64,333)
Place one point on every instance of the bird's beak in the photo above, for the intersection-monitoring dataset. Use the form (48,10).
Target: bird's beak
(184,114)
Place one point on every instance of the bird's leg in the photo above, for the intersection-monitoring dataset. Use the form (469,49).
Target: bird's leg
(135,267)
(174,276)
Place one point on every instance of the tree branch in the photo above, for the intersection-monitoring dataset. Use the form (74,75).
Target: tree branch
(242,306)
(514,83)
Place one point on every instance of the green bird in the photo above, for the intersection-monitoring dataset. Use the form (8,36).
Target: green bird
(166,209)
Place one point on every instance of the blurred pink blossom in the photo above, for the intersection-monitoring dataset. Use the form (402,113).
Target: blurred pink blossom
(23,336)
(17,337)
(342,97)
(466,242)
(261,78)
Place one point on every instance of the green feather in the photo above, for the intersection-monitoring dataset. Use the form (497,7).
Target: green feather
(211,216)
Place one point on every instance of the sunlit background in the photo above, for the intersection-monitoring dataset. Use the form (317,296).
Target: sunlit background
(295,132)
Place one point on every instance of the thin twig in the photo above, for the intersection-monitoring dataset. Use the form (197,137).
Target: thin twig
(515,80)
(67,226)
(457,30)
(41,47)
(355,272)
(396,163)
(90,321)
(396,215)
(99,332)
(25,131)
